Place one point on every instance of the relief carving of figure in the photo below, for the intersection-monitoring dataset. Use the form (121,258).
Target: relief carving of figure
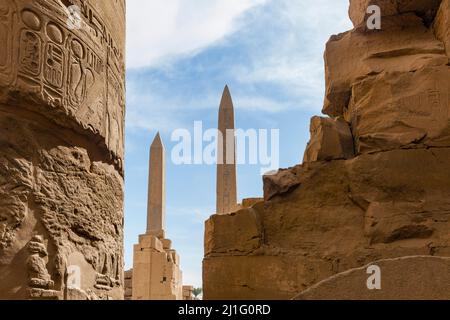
(80,76)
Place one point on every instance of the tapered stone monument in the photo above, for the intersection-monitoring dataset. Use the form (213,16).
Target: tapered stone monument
(156,266)
(156,207)
(226,156)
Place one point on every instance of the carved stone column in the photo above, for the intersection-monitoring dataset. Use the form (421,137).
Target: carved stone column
(62,107)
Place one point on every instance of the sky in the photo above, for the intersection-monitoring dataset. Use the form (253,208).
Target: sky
(180,55)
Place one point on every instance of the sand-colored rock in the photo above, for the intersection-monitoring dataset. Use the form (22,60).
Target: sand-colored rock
(250,202)
(403,45)
(268,275)
(61,148)
(331,139)
(442,25)
(405,278)
(401,110)
(343,214)
(423,8)
(281,182)
(245,237)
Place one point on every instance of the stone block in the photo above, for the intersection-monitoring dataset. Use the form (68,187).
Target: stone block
(236,232)
(331,139)
(401,110)
(403,45)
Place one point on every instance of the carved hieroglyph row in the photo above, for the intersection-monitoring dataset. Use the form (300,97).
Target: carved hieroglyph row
(79,72)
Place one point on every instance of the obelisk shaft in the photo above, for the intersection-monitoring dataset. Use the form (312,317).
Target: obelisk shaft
(156,206)
(226,164)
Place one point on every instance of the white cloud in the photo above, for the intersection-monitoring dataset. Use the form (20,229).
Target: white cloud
(294,58)
(282,46)
(160,29)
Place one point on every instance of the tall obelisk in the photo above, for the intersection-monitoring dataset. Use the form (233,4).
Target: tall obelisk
(156,266)
(226,164)
(156,205)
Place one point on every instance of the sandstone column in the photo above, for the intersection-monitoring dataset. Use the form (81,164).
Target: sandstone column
(226,164)
(156,208)
(62,108)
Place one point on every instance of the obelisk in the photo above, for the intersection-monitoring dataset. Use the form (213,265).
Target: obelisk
(226,164)
(156,205)
(156,265)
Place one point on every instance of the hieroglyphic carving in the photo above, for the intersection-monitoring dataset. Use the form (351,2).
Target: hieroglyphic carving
(77,74)
(54,64)
(80,72)
(7,12)
(427,104)
(115,107)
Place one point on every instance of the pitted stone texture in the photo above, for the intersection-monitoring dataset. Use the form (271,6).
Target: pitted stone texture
(68,199)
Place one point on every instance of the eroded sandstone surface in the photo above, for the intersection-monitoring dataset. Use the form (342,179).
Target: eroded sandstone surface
(61,149)
(375,180)
(404,278)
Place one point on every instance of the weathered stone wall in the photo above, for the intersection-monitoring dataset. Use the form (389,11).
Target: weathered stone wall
(378,189)
(61,149)
(404,278)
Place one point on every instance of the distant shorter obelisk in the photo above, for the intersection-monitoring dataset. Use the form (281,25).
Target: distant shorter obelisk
(226,164)
(156,207)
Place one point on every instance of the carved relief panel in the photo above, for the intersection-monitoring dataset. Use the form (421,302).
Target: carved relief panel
(79,72)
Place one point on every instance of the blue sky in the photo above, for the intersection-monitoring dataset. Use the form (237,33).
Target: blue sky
(180,55)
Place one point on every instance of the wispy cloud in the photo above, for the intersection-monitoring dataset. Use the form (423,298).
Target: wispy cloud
(270,53)
(289,53)
(163,29)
